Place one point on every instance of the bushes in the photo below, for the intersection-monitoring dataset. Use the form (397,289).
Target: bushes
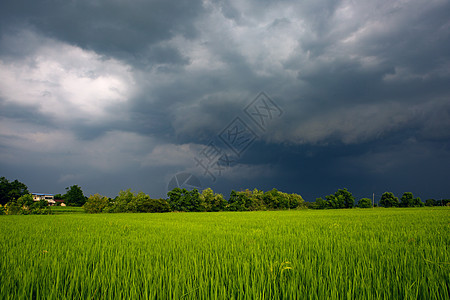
(341,199)
(25,205)
(365,203)
(126,201)
(95,204)
(258,200)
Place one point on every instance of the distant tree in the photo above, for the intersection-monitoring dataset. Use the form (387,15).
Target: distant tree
(184,200)
(407,200)
(74,196)
(296,201)
(273,199)
(257,200)
(389,200)
(321,203)
(347,197)
(418,202)
(176,199)
(237,201)
(212,201)
(27,201)
(150,205)
(195,203)
(95,204)
(430,202)
(335,202)
(25,205)
(10,191)
(365,203)
(58,196)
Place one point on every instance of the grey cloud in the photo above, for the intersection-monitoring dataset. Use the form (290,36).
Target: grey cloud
(357,82)
(108,27)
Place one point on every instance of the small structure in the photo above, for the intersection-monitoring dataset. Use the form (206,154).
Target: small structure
(47,197)
(60,202)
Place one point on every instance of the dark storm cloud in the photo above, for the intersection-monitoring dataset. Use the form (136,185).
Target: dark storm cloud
(131,32)
(360,85)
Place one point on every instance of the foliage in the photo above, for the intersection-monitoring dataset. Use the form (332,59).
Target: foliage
(320,203)
(128,201)
(95,204)
(74,196)
(433,202)
(342,198)
(212,201)
(365,203)
(25,205)
(238,201)
(389,200)
(348,254)
(184,200)
(408,200)
(258,200)
(11,191)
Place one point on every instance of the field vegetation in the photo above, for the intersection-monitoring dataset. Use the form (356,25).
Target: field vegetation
(381,253)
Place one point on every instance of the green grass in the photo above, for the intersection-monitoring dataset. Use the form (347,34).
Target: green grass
(62,210)
(331,254)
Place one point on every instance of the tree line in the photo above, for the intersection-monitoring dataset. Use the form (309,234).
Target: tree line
(16,199)
(183,200)
(344,199)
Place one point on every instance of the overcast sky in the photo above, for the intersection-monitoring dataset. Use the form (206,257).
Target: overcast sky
(111,95)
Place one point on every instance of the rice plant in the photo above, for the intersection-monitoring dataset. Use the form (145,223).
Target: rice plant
(306,254)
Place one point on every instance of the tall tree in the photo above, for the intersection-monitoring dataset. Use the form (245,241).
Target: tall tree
(389,200)
(407,200)
(347,197)
(212,201)
(364,203)
(10,191)
(74,196)
(95,204)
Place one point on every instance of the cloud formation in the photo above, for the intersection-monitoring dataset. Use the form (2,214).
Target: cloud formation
(112,95)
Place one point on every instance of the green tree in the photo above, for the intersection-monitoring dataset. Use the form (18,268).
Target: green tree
(430,202)
(346,197)
(26,200)
(10,191)
(407,200)
(321,203)
(25,205)
(335,202)
(150,205)
(418,202)
(95,204)
(74,196)
(184,200)
(257,200)
(237,201)
(274,200)
(296,201)
(389,200)
(211,201)
(365,203)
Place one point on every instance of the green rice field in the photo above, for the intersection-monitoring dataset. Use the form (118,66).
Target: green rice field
(298,254)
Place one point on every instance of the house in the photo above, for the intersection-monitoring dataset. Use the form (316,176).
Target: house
(48,197)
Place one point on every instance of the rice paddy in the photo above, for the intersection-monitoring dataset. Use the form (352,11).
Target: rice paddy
(297,254)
